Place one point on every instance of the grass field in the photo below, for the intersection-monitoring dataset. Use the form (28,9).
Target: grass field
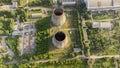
(24,2)
(104,41)
(102,16)
(104,63)
(5,2)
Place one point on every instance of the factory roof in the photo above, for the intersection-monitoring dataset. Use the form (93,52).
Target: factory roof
(102,25)
(103,4)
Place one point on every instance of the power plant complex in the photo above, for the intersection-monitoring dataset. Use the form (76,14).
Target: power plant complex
(58,18)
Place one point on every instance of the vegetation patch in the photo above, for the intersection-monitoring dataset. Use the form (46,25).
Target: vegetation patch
(55,64)
(5,2)
(45,3)
(14,44)
(101,16)
(6,26)
(42,40)
(22,14)
(104,63)
(104,42)
(36,11)
(7,14)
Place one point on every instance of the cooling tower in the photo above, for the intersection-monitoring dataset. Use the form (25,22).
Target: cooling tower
(58,17)
(59,39)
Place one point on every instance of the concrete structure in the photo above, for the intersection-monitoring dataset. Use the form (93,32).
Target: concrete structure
(15,27)
(36,15)
(60,39)
(54,1)
(6,7)
(76,49)
(14,3)
(17,33)
(68,2)
(107,25)
(58,17)
(61,1)
(95,5)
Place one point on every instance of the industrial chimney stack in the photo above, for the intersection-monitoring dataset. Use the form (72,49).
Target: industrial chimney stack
(58,17)
(60,39)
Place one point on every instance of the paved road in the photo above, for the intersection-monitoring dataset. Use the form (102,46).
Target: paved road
(43,61)
(39,7)
(22,44)
(47,9)
(105,56)
(6,7)
(79,56)
(69,29)
(116,63)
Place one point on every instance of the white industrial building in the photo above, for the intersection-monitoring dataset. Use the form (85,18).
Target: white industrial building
(93,5)
(107,25)
(36,15)
(67,2)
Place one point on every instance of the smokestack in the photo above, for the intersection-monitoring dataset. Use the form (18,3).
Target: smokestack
(58,17)
(59,39)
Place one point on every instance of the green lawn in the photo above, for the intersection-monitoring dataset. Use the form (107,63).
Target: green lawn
(6,26)
(5,2)
(24,2)
(44,3)
(104,42)
(36,11)
(74,63)
(100,16)
(104,63)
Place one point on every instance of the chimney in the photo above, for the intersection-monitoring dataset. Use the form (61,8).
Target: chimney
(58,17)
(60,39)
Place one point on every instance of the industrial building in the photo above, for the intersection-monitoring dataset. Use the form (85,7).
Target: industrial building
(106,25)
(95,5)
(68,2)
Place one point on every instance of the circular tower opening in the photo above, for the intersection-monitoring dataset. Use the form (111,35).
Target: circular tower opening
(58,11)
(60,36)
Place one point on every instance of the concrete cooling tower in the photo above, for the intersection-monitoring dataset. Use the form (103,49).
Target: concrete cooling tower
(58,17)
(59,39)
